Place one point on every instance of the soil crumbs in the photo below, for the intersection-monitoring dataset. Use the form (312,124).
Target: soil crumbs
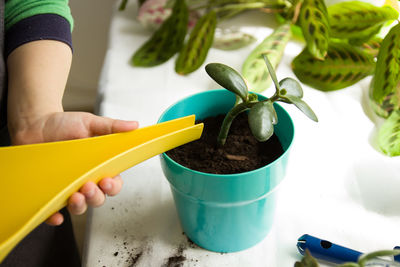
(241,152)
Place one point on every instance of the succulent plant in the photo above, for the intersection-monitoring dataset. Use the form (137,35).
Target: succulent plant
(262,115)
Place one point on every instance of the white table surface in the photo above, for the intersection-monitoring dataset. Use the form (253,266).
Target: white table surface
(338,186)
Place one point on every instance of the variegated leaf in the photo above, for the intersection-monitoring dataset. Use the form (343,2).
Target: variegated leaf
(231,39)
(153,13)
(196,49)
(358,20)
(385,86)
(314,23)
(343,66)
(254,69)
(166,41)
(372,46)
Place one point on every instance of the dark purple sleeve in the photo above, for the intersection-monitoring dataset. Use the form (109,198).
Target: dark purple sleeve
(38,27)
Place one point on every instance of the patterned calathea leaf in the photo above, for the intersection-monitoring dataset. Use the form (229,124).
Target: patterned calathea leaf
(166,41)
(385,86)
(254,69)
(231,39)
(343,66)
(358,21)
(153,13)
(195,51)
(314,23)
(372,46)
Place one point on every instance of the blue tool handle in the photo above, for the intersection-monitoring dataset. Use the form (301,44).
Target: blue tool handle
(397,257)
(325,250)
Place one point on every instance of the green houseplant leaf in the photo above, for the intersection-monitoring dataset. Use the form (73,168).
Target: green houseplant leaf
(273,46)
(228,78)
(300,104)
(385,86)
(389,135)
(195,51)
(358,20)
(343,66)
(307,261)
(166,41)
(261,121)
(232,39)
(314,23)
(291,87)
(372,46)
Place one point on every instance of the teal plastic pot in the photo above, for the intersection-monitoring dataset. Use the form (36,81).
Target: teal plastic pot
(225,212)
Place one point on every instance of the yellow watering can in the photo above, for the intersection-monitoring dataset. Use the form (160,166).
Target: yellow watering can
(37,180)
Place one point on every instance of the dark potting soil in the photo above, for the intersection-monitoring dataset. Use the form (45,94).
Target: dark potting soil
(241,152)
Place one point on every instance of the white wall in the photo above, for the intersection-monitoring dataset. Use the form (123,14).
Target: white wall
(90,36)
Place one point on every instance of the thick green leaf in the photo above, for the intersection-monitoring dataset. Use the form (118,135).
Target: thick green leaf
(195,51)
(303,106)
(271,108)
(343,66)
(385,86)
(166,41)
(389,135)
(271,72)
(358,21)
(254,70)
(260,121)
(228,78)
(291,87)
(314,23)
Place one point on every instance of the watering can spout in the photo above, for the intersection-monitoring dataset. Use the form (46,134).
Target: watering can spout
(37,180)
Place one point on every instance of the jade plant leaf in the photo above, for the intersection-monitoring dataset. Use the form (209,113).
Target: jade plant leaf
(271,72)
(389,135)
(273,46)
(314,23)
(291,87)
(385,86)
(303,106)
(343,66)
(195,51)
(228,78)
(166,41)
(261,121)
(358,21)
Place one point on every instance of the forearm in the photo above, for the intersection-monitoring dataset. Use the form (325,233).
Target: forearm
(37,75)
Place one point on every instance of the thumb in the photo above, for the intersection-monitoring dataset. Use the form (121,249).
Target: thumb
(102,125)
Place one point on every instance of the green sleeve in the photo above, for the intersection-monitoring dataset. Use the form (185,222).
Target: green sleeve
(16,10)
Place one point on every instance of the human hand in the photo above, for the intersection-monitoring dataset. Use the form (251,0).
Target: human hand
(59,126)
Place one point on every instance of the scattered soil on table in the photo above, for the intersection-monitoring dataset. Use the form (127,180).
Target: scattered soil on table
(241,152)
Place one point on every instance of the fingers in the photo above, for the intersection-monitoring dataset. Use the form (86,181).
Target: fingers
(93,195)
(55,219)
(111,186)
(102,125)
(77,204)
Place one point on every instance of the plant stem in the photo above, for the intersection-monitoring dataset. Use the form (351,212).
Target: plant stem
(226,124)
(123,5)
(239,6)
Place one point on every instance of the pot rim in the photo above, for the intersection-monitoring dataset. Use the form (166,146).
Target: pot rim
(232,175)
